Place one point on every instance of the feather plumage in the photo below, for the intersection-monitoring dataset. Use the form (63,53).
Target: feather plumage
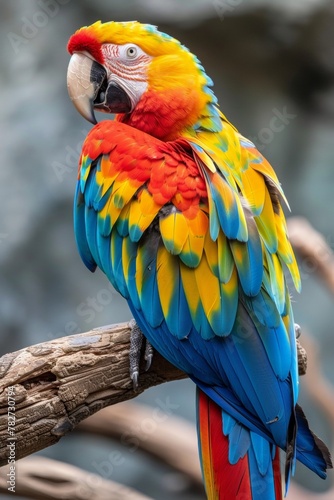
(183,215)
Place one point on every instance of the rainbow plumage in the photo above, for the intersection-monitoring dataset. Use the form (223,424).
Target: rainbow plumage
(183,215)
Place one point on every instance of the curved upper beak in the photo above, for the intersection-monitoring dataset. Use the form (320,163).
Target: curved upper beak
(81,88)
(89,88)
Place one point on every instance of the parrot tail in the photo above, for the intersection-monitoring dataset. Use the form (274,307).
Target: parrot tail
(311,451)
(236,463)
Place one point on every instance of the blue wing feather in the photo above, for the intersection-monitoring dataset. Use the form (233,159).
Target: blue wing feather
(149,295)
(263,451)
(239,440)
(92,234)
(80,230)
(116,244)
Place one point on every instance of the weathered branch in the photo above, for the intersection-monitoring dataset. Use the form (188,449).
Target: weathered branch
(43,479)
(57,384)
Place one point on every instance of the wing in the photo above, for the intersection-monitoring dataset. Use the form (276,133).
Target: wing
(193,235)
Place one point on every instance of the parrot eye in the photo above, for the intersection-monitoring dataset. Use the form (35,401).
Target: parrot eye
(131,52)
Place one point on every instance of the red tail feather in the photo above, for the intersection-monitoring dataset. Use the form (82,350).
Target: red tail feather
(277,475)
(223,481)
(239,481)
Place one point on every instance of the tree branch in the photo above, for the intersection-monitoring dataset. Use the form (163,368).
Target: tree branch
(57,384)
(155,430)
(44,479)
(317,256)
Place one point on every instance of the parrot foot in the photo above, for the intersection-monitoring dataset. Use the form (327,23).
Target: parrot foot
(298,331)
(136,341)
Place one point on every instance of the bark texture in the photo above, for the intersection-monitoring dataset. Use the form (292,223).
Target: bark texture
(48,388)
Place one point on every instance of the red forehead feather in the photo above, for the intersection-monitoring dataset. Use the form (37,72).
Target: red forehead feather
(81,40)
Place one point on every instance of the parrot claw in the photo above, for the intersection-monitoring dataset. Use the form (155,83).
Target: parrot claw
(148,355)
(298,331)
(135,380)
(136,341)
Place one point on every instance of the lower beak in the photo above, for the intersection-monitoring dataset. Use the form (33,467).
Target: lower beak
(89,89)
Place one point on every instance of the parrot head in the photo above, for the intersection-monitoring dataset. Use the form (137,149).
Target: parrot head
(142,75)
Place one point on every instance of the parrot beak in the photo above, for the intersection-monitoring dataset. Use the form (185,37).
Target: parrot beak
(81,88)
(89,89)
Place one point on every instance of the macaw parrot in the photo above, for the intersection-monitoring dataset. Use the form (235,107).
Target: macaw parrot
(183,214)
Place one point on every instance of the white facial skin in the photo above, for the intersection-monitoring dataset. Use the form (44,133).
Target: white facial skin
(126,66)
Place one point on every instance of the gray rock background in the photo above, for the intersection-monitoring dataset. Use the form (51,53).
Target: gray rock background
(264,57)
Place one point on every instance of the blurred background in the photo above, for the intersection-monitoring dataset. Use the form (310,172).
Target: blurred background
(268,59)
